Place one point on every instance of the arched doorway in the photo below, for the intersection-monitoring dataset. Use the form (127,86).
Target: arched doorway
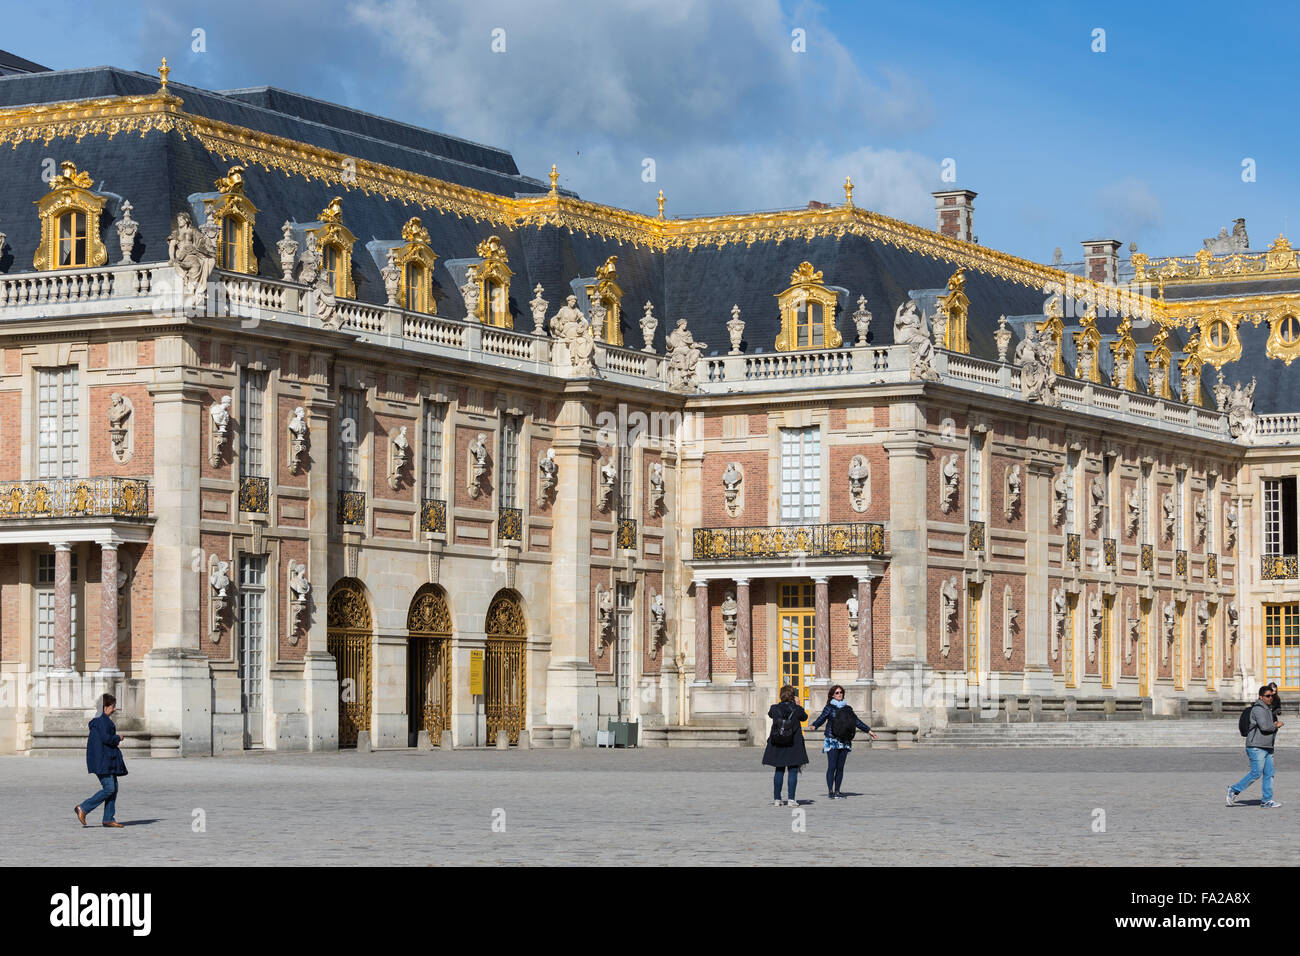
(504,667)
(428,665)
(348,634)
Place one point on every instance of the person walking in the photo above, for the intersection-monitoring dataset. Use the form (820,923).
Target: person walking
(844,723)
(785,749)
(1277,699)
(1262,734)
(104,760)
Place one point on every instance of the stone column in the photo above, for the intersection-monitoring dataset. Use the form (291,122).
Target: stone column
(108,610)
(703,642)
(822,623)
(1037,505)
(866,630)
(744,635)
(319,674)
(62,607)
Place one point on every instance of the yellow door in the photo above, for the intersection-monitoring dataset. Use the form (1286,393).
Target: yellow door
(798,641)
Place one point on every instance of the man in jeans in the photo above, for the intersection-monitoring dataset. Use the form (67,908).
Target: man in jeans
(104,760)
(1259,749)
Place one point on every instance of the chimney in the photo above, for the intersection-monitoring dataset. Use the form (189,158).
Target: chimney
(954,211)
(1101,260)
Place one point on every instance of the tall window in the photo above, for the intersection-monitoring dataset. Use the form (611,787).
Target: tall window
(1211,513)
(435,415)
(1180,526)
(45,610)
(801,475)
(416,283)
(1107,470)
(625,480)
(511,428)
(330,265)
(72,240)
(1280,515)
(252,454)
(1144,505)
(350,401)
(231,238)
(623,677)
(59,416)
(1071,472)
(252,630)
(1107,612)
(1282,644)
(976,472)
(810,325)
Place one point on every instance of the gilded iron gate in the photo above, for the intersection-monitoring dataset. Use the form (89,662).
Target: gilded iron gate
(504,668)
(428,623)
(348,637)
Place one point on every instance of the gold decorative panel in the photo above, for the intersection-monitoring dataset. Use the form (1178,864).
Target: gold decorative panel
(1055,327)
(348,636)
(334,242)
(415,262)
(1189,371)
(1160,357)
(1283,333)
(505,668)
(493,278)
(1219,341)
(74,497)
(429,613)
(1089,339)
(783,541)
(607,292)
(236,215)
(70,223)
(1126,346)
(956,306)
(807,313)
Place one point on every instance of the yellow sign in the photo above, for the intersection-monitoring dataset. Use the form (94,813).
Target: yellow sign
(476,672)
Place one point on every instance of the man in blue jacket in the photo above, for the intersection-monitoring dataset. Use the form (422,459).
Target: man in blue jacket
(1259,750)
(104,760)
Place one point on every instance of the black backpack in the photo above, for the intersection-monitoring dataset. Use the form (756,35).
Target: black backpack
(844,723)
(783,731)
(1243,722)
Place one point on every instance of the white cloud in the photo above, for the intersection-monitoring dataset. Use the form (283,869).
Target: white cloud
(1130,211)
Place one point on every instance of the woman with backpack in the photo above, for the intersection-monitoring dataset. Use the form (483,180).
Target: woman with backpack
(785,750)
(844,723)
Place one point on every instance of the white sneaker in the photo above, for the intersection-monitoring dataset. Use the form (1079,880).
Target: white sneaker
(1232,797)
(792,803)
(1271,805)
(776,803)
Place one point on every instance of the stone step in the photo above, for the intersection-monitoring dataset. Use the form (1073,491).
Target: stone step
(736,735)
(1203,732)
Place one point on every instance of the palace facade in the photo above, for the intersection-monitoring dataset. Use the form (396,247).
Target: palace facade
(319,430)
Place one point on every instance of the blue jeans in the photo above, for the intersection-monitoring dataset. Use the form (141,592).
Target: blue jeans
(107,796)
(776,781)
(835,768)
(1261,764)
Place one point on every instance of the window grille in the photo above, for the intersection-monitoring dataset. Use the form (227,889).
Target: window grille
(253,426)
(252,630)
(59,422)
(801,467)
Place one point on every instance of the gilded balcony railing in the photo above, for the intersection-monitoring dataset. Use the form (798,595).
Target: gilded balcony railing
(975,540)
(510,524)
(255,494)
(75,498)
(1277,567)
(352,507)
(433,515)
(771,542)
(627,534)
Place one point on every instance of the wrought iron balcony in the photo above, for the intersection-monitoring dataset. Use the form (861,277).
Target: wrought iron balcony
(433,515)
(255,494)
(1108,551)
(975,540)
(1072,548)
(352,507)
(75,498)
(1278,567)
(510,524)
(1180,563)
(627,534)
(808,540)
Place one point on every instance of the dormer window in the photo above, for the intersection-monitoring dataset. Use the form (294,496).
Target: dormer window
(416,260)
(607,294)
(335,244)
(493,275)
(807,313)
(236,215)
(70,223)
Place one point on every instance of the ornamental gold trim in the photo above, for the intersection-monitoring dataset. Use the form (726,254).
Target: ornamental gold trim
(233,206)
(806,289)
(332,234)
(1089,339)
(609,294)
(1219,342)
(420,257)
(956,306)
(69,193)
(1126,346)
(493,277)
(1283,333)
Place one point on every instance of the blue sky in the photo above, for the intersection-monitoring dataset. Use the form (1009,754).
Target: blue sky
(1142,142)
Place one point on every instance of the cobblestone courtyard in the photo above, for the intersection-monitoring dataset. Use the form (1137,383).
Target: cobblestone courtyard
(910,807)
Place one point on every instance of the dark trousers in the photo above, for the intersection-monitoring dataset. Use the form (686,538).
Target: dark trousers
(835,769)
(107,796)
(776,781)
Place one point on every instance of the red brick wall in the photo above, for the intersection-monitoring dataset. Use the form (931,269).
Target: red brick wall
(999,466)
(139,642)
(220,649)
(722,664)
(603,664)
(296,551)
(11,435)
(466,435)
(225,467)
(934,486)
(144,353)
(97,355)
(317,442)
(648,518)
(102,461)
(464,523)
(996,591)
(10,596)
(837,490)
(653,580)
(387,426)
(528,492)
(753,489)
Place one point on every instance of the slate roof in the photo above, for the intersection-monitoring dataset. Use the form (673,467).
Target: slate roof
(160,172)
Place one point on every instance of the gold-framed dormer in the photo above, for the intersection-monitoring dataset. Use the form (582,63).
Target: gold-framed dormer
(334,243)
(493,277)
(807,313)
(1219,342)
(956,307)
(236,215)
(1283,333)
(414,262)
(607,292)
(1191,394)
(70,223)
(1126,347)
(1159,358)
(1055,327)
(1089,339)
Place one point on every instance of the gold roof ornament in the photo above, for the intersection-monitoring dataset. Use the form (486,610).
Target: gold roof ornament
(1088,341)
(493,278)
(333,213)
(238,209)
(848,191)
(1055,327)
(335,242)
(163,72)
(661,204)
(70,196)
(609,295)
(956,306)
(490,249)
(1189,384)
(232,183)
(805,274)
(1126,346)
(69,177)
(555,181)
(807,312)
(1280,255)
(414,232)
